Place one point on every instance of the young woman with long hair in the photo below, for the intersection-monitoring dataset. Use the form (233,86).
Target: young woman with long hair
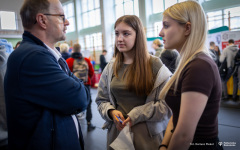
(129,87)
(194,91)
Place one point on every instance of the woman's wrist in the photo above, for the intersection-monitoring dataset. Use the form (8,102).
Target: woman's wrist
(110,113)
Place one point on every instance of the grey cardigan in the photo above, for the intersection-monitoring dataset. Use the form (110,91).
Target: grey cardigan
(155,112)
(3,120)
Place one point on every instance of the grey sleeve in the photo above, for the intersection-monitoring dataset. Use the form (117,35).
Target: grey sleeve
(103,96)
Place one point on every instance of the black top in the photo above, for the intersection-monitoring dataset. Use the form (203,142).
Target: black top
(103,62)
(169,58)
(200,75)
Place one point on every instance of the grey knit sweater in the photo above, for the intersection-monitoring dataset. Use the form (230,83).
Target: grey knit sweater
(3,120)
(229,53)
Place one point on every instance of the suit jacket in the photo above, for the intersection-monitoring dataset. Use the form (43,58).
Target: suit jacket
(40,99)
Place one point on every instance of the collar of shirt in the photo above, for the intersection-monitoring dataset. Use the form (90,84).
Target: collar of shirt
(54,52)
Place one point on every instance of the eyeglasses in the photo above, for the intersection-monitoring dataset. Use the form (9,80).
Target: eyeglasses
(63,16)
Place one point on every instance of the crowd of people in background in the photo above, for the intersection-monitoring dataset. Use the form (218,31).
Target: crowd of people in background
(82,68)
(228,55)
(44,89)
(228,65)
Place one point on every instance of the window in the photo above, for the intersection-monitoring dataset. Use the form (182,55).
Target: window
(160,5)
(70,16)
(157,28)
(214,19)
(90,13)
(126,7)
(93,41)
(157,6)
(181,1)
(234,17)
(8,20)
(169,3)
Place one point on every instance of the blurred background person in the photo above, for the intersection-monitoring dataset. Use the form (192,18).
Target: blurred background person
(64,50)
(229,54)
(157,47)
(218,53)
(17,45)
(103,61)
(82,68)
(170,58)
(8,46)
(213,53)
(4,45)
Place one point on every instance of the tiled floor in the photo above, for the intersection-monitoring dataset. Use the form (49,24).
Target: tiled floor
(229,127)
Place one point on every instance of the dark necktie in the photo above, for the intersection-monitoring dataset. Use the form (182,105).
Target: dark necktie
(63,65)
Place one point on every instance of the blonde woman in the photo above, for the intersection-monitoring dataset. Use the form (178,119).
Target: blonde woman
(194,91)
(129,87)
(64,49)
(157,47)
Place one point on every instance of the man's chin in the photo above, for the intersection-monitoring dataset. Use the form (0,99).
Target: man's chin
(62,38)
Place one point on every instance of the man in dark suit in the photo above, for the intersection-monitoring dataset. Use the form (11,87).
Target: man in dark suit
(42,95)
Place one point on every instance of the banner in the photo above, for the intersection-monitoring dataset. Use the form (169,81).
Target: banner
(216,38)
(235,35)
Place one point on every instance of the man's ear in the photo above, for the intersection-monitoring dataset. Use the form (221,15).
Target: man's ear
(41,20)
(188,28)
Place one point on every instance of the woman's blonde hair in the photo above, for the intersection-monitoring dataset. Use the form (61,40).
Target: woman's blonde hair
(64,47)
(138,75)
(188,11)
(157,42)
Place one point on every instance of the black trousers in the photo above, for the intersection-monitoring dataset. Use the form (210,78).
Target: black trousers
(89,110)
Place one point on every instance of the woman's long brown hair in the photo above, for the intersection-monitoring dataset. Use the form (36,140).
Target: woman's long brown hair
(138,76)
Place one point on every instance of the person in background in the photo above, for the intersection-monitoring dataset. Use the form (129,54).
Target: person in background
(103,61)
(157,47)
(229,53)
(218,53)
(8,46)
(3,120)
(170,58)
(151,53)
(237,70)
(212,46)
(42,95)
(83,69)
(129,86)
(64,50)
(194,91)
(17,45)
(213,53)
